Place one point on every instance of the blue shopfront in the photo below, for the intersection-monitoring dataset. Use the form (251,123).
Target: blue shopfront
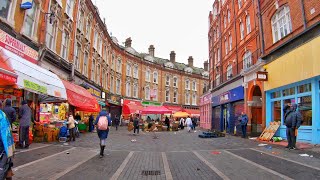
(307,95)
(226,108)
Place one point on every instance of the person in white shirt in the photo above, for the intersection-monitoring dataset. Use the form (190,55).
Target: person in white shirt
(189,123)
(181,123)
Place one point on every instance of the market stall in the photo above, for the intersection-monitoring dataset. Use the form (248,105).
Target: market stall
(155,110)
(180,114)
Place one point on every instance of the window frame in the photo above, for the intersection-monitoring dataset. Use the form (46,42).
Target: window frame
(167,95)
(275,23)
(128,89)
(230,42)
(128,70)
(175,97)
(70,13)
(248,24)
(34,26)
(65,44)
(118,86)
(85,63)
(187,84)
(175,81)
(241,28)
(167,80)
(229,72)
(247,60)
(155,77)
(147,93)
(135,90)
(11,11)
(53,36)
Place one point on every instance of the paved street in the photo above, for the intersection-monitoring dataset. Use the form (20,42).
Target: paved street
(164,155)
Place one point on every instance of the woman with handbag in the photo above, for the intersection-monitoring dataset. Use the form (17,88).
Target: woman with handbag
(6,147)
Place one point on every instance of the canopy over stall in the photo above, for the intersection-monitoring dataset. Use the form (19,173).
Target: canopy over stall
(155,110)
(7,75)
(131,107)
(174,108)
(193,112)
(33,77)
(181,114)
(81,98)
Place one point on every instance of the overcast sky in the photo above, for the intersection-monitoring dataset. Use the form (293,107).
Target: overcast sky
(170,25)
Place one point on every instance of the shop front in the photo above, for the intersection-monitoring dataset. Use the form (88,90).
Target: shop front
(227,107)
(299,84)
(114,104)
(95,92)
(205,111)
(151,103)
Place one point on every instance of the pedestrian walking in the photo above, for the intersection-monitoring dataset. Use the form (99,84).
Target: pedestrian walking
(102,122)
(243,123)
(91,119)
(194,123)
(299,121)
(10,111)
(167,122)
(6,147)
(189,123)
(291,121)
(25,120)
(116,121)
(136,124)
(181,123)
(71,127)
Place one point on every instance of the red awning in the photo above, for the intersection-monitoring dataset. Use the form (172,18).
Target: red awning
(81,98)
(193,112)
(7,75)
(131,106)
(155,110)
(174,109)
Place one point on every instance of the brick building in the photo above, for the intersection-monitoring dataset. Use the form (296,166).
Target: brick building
(291,40)
(233,52)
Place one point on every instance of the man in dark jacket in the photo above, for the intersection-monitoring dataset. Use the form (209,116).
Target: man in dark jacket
(167,122)
(25,120)
(290,120)
(91,119)
(243,123)
(10,112)
(116,121)
(136,124)
(296,119)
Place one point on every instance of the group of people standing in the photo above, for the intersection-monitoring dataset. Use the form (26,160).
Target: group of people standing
(191,123)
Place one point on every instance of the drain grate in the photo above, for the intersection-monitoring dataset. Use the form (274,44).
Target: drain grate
(150,173)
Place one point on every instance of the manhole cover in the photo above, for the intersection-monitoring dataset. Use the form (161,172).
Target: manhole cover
(150,173)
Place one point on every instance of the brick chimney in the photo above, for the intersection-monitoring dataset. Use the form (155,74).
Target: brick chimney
(173,56)
(205,65)
(128,42)
(190,61)
(151,50)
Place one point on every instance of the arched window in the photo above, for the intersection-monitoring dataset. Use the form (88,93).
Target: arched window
(241,31)
(155,77)
(247,60)
(281,23)
(229,72)
(147,93)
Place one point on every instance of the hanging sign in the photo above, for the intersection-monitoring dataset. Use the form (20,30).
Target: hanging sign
(262,76)
(26,4)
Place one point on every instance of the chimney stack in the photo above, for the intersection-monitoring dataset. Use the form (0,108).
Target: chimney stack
(205,65)
(190,61)
(128,42)
(173,56)
(151,50)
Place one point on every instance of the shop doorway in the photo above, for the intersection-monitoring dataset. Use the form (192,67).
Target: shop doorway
(256,112)
(225,119)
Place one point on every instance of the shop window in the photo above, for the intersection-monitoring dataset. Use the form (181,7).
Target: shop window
(304,88)
(276,110)
(288,92)
(276,94)
(305,108)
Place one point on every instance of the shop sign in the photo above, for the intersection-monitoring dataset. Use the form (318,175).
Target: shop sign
(34,86)
(114,99)
(57,93)
(8,77)
(150,103)
(229,96)
(93,90)
(26,4)
(103,95)
(12,44)
(262,76)
(17,92)
(205,99)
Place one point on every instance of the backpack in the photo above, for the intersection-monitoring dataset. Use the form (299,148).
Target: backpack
(103,123)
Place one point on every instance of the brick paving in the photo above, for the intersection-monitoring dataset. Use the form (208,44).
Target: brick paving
(188,157)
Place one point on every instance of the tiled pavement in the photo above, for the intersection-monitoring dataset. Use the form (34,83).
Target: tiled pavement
(175,155)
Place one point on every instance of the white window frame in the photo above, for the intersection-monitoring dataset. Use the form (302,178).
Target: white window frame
(239,4)
(35,23)
(85,63)
(241,31)
(218,54)
(135,91)
(281,23)
(69,8)
(119,68)
(65,45)
(147,93)
(194,99)
(80,19)
(155,77)
(225,22)
(77,56)
(175,97)
(155,91)
(93,70)
(175,82)
(167,80)
(136,72)
(229,72)
(11,11)
(247,60)
(230,42)
(187,86)
(226,46)
(194,85)
(98,74)
(95,40)
(148,75)
(128,72)
(248,23)
(187,98)
(88,29)
(51,37)
(218,79)
(112,84)
(229,16)
(118,86)
(167,96)
(128,89)
(103,78)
